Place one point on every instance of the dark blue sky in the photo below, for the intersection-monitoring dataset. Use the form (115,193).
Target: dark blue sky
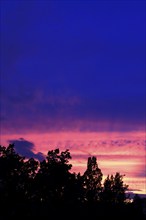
(72,65)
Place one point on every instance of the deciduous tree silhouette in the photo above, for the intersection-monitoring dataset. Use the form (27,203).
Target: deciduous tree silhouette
(92,180)
(114,189)
(49,188)
(15,179)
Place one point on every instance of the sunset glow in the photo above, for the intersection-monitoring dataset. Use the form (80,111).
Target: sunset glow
(73,77)
(115,152)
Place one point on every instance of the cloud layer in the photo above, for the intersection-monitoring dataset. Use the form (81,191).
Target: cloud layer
(36,112)
(119,151)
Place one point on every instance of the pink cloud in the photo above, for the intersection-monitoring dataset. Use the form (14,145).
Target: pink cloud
(115,151)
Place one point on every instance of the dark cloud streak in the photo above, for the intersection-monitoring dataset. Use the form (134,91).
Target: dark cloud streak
(25,148)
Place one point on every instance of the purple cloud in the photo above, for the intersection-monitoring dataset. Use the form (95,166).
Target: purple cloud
(25,148)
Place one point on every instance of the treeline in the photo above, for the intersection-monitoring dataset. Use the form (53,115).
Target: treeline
(29,188)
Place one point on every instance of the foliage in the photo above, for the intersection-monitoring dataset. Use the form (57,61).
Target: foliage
(47,188)
(114,189)
(92,179)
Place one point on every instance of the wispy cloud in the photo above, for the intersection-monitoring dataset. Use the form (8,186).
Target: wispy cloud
(33,110)
(119,151)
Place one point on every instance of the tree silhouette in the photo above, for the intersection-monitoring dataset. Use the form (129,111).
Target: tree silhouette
(16,176)
(30,188)
(92,180)
(114,189)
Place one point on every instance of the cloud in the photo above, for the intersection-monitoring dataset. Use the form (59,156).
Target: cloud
(130,189)
(142,171)
(25,148)
(35,111)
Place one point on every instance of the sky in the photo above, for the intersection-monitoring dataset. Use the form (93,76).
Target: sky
(73,76)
